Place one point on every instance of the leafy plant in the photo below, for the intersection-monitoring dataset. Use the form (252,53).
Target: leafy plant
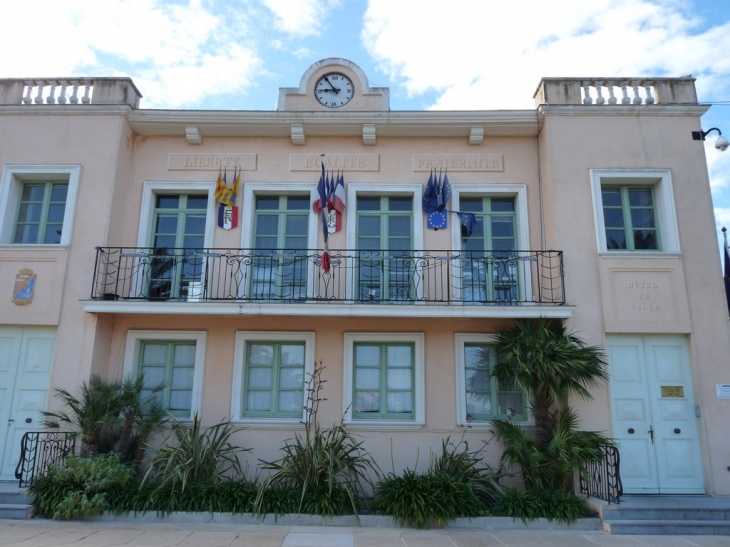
(110,417)
(549,364)
(81,488)
(328,467)
(422,500)
(469,468)
(534,504)
(551,467)
(196,456)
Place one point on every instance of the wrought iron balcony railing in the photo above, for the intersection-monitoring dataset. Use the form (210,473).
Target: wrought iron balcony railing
(354,276)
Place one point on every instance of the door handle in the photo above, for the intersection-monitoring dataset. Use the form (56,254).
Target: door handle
(631,431)
(677,430)
(651,433)
(10,420)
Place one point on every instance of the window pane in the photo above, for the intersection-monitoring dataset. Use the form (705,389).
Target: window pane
(30,212)
(154,354)
(59,192)
(502,227)
(267,202)
(33,192)
(291,378)
(292,354)
(400,203)
(368,226)
(399,378)
(153,376)
(399,402)
(615,239)
(478,404)
(613,218)
(267,224)
(640,197)
(644,239)
(52,234)
(296,224)
(259,378)
(503,204)
(180,400)
(56,212)
(298,203)
(166,224)
(368,203)
(184,354)
(194,224)
(167,202)
(399,226)
(399,356)
(367,401)
(258,401)
(478,380)
(367,356)
(642,218)
(472,205)
(611,197)
(367,378)
(261,354)
(182,377)
(291,401)
(198,202)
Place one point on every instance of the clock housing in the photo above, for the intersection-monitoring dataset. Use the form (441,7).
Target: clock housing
(334,90)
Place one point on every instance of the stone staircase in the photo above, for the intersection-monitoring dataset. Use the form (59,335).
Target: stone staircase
(666,515)
(14,503)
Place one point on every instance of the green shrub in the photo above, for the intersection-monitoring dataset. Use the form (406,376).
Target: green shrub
(469,468)
(327,467)
(80,488)
(197,455)
(426,499)
(534,504)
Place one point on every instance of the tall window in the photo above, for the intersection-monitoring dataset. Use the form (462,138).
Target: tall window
(280,241)
(41,210)
(489,265)
(274,379)
(384,380)
(485,397)
(178,237)
(171,363)
(629,217)
(384,247)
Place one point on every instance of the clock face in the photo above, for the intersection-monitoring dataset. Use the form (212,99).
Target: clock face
(334,90)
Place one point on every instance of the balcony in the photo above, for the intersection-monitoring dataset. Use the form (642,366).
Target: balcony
(358,282)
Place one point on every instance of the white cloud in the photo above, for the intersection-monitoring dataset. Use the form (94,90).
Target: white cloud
(177,53)
(491,55)
(301,17)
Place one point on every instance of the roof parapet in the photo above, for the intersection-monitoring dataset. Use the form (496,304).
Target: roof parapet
(616,91)
(69,91)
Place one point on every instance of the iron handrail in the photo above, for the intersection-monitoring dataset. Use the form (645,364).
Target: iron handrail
(38,450)
(602,478)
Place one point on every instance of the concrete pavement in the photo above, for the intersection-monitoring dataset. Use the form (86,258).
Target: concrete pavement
(160,533)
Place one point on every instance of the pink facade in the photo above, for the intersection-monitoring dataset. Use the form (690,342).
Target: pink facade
(596,213)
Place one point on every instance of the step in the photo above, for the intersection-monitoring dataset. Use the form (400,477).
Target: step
(666,513)
(18,511)
(661,527)
(20,496)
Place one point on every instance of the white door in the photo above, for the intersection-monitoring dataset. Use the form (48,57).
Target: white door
(654,418)
(26,362)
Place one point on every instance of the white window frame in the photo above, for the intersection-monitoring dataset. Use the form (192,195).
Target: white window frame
(132,348)
(13,178)
(419,419)
(461,339)
(359,188)
(658,179)
(239,360)
(516,191)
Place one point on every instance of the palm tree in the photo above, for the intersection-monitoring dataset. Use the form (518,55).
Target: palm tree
(549,364)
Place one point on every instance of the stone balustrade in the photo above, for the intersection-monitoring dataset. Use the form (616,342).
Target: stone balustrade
(616,91)
(69,91)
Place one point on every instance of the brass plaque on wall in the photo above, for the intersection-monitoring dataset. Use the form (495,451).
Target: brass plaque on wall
(672,391)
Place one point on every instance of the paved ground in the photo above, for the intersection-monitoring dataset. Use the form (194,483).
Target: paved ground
(45,533)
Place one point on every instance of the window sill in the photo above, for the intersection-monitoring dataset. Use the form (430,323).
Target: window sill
(33,247)
(639,254)
(385,425)
(269,423)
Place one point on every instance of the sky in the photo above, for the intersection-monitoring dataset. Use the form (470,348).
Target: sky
(432,54)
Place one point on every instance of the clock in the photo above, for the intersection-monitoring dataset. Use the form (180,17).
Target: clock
(334,90)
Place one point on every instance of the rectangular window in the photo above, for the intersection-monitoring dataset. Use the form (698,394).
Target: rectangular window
(384,384)
(489,265)
(383,380)
(173,365)
(280,235)
(37,204)
(175,358)
(630,218)
(384,248)
(485,397)
(274,379)
(634,211)
(270,373)
(41,210)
